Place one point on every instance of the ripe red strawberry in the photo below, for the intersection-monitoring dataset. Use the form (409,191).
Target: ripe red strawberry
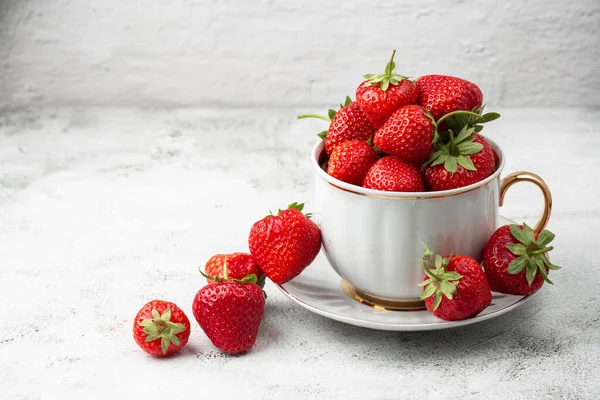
(382,94)
(238,264)
(456,289)
(161,328)
(408,134)
(351,160)
(393,174)
(230,312)
(513,257)
(462,161)
(285,244)
(442,94)
(349,123)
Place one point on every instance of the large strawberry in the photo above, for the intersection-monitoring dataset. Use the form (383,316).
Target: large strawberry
(455,286)
(230,311)
(349,123)
(408,134)
(463,160)
(393,174)
(382,94)
(238,264)
(160,328)
(351,160)
(442,94)
(285,244)
(515,260)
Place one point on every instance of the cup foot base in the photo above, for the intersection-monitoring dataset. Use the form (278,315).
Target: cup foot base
(381,304)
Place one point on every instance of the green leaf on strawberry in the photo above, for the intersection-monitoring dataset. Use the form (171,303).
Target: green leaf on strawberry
(161,327)
(441,282)
(387,78)
(531,251)
(456,152)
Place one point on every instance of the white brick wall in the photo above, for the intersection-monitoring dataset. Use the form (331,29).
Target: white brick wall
(267,52)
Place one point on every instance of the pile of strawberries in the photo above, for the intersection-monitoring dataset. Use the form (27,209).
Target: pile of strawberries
(409,136)
(230,308)
(399,136)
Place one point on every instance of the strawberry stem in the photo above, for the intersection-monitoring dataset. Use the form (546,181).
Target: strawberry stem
(541,251)
(430,273)
(453,150)
(457,113)
(225,271)
(302,116)
(389,70)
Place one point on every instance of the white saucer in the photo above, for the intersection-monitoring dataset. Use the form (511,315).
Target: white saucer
(319,289)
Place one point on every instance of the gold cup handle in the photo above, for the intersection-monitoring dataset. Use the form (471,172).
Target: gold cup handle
(522,176)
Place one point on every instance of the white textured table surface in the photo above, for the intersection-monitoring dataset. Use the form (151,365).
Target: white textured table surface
(102,210)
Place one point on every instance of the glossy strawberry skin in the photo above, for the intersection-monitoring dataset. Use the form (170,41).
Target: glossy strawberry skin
(496,259)
(350,161)
(349,123)
(177,316)
(441,94)
(230,314)
(438,178)
(392,174)
(472,295)
(284,244)
(238,264)
(407,134)
(378,105)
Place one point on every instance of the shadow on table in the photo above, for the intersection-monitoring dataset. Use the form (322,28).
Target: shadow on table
(517,332)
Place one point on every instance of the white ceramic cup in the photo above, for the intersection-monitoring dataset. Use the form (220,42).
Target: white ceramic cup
(372,238)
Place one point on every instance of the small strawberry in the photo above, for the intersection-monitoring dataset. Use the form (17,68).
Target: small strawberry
(513,257)
(351,160)
(349,123)
(285,244)
(382,94)
(442,94)
(238,264)
(456,289)
(393,174)
(462,161)
(161,328)
(408,134)
(230,311)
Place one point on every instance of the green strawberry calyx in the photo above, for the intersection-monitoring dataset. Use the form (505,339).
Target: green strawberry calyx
(448,147)
(441,282)
(250,278)
(387,78)
(330,114)
(161,327)
(531,253)
(293,206)
(456,151)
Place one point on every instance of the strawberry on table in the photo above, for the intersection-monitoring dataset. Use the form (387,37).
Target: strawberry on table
(442,94)
(349,123)
(230,311)
(382,94)
(408,134)
(515,259)
(161,328)
(393,174)
(351,160)
(239,266)
(285,244)
(455,287)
